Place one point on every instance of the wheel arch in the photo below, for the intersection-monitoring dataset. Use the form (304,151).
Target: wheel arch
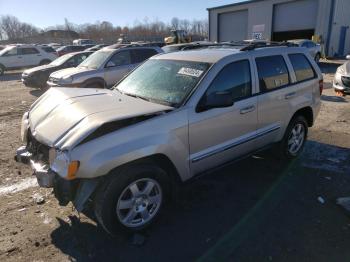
(306,112)
(97,80)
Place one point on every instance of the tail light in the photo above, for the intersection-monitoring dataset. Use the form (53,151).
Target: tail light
(320,84)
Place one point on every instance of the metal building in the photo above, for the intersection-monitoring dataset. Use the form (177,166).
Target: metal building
(327,21)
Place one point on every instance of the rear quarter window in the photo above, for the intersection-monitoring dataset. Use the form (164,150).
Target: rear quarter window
(302,67)
(272,71)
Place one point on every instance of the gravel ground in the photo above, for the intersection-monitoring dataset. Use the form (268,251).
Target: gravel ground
(255,210)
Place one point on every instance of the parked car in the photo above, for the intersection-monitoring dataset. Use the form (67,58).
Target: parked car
(314,48)
(175,116)
(103,68)
(20,56)
(55,45)
(96,47)
(69,49)
(83,42)
(38,76)
(341,82)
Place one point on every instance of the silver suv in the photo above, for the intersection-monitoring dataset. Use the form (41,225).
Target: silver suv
(174,117)
(103,68)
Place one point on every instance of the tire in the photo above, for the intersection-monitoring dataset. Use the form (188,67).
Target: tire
(45,62)
(2,70)
(287,149)
(317,57)
(120,206)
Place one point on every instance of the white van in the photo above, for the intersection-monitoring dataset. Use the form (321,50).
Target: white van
(83,42)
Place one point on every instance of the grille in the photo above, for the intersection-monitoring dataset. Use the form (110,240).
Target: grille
(346,81)
(39,151)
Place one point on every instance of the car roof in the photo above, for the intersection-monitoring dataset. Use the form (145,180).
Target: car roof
(206,55)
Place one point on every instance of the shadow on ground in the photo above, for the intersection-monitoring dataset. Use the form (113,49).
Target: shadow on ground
(11,76)
(215,205)
(338,99)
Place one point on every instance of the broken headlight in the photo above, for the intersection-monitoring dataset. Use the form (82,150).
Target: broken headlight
(24,127)
(61,164)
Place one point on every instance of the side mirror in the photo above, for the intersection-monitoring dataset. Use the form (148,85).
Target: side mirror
(218,99)
(348,57)
(110,64)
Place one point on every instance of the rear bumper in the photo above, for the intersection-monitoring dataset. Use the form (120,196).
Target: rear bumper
(44,175)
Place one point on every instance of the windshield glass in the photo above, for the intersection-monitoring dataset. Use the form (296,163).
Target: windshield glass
(96,60)
(3,51)
(61,60)
(163,81)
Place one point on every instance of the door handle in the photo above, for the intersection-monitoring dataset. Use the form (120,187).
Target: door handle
(247,109)
(290,95)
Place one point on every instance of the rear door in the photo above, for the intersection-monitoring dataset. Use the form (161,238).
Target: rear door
(117,67)
(219,135)
(30,56)
(275,93)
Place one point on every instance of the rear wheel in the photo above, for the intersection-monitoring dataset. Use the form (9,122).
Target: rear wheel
(45,62)
(132,199)
(294,139)
(2,70)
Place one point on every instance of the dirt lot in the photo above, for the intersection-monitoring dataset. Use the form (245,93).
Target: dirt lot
(254,210)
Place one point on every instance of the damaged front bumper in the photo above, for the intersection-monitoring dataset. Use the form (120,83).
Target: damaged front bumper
(45,176)
(78,191)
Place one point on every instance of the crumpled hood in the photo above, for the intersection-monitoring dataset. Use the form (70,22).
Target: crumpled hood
(70,71)
(62,111)
(39,68)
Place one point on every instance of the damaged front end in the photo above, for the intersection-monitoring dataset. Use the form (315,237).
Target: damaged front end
(42,158)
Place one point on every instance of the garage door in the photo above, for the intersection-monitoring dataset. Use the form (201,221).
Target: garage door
(295,19)
(233,26)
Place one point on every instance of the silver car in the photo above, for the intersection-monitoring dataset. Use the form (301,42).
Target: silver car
(341,82)
(174,117)
(313,48)
(103,68)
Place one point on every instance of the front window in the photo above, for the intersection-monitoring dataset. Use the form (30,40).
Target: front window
(96,60)
(163,81)
(9,51)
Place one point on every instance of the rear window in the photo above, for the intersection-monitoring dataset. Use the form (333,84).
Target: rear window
(272,71)
(48,49)
(302,67)
(140,55)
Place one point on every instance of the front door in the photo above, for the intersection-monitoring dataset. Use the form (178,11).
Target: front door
(117,67)
(219,135)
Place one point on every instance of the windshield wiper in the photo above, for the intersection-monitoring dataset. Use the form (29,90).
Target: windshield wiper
(136,96)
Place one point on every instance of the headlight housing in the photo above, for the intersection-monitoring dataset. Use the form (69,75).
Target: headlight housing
(66,80)
(341,70)
(61,164)
(24,127)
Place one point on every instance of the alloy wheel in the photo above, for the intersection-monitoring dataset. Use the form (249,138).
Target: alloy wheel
(296,139)
(139,202)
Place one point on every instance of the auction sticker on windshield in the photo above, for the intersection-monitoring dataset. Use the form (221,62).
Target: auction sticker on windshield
(190,72)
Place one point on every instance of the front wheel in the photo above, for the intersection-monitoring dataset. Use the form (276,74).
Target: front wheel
(295,137)
(131,199)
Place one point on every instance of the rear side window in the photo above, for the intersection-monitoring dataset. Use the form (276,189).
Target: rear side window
(272,71)
(302,67)
(234,78)
(48,49)
(121,58)
(29,51)
(140,55)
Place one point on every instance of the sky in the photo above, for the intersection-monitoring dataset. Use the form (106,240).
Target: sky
(45,13)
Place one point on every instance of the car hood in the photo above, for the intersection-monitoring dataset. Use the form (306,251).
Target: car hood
(69,71)
(70,114)
(39,68)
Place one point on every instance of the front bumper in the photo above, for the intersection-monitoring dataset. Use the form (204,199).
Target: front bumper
(44,175)
(341,83)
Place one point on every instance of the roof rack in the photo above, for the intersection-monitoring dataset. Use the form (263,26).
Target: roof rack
(254,45)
